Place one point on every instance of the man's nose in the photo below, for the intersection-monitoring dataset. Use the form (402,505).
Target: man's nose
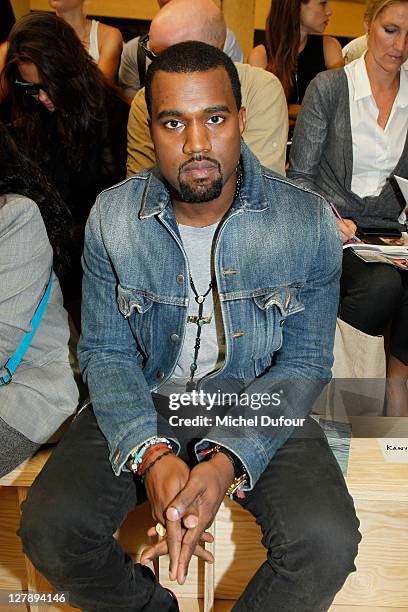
(329,11)
(197,139)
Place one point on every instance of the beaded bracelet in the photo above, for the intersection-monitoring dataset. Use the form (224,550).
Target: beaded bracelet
(149,453)
(137,454)
(143,476)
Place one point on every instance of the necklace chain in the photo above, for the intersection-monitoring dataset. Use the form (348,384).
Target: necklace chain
(200,299)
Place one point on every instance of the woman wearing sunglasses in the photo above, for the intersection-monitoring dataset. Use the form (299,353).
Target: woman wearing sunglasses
(34,231)
(65,115)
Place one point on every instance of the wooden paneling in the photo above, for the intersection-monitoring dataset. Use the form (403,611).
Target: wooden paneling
(20,7)
(240,15)
(371,477)
(382,561)
(12,565)
(380,491)
(128,9)
(347,18)
(226,606)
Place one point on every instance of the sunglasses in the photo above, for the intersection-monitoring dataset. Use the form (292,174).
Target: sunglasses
(144,43)
(31,89)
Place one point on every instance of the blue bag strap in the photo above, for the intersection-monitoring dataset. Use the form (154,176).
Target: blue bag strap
(15,360)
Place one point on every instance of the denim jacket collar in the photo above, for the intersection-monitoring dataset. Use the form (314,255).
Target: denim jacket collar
(156,195)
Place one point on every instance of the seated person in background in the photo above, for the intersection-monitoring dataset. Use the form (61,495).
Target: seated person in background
(103,43)
(137,53)
(262,95)
(350,138)
(292,51)
(34,225)
(207,223)
(66,116)
(356,48)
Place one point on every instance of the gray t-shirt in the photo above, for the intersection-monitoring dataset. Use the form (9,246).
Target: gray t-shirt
(198,245)
(129,78)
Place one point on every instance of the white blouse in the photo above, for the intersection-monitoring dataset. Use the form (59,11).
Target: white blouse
(376,151)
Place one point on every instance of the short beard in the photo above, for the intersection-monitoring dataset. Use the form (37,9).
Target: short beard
(198,193)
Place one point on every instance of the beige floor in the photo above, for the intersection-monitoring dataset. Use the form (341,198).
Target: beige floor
(226,606)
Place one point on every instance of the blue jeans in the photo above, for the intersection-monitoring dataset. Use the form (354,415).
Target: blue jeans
(307,517)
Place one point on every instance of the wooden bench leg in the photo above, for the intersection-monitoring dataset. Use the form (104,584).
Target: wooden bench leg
(209,575)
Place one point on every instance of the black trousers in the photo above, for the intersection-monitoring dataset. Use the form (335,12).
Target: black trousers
(307,517)
(374,295)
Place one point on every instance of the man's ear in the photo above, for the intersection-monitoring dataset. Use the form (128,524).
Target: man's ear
(242,119)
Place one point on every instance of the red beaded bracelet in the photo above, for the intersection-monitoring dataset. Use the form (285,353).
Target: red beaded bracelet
(148,453)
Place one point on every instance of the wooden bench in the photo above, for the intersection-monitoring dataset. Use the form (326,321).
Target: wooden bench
(380,492)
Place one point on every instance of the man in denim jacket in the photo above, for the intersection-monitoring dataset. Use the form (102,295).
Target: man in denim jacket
(270,271)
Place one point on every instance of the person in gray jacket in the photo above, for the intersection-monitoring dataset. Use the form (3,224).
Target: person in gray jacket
(42,393)
(349,143)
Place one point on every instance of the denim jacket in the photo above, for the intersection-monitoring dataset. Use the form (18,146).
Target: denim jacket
(277,263)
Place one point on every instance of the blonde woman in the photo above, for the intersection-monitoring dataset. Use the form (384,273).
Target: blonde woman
(103,43)
(349,142)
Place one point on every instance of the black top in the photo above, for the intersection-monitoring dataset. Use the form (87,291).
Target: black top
(310,63)
(7,19)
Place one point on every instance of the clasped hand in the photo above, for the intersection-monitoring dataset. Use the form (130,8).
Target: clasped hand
(186,503)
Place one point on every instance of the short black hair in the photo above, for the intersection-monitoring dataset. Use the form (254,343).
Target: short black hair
(192,56)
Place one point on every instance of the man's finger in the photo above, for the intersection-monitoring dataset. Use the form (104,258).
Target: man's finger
(203,554)
(182,502)
(190,521)
(174,537)
(205,537)
(153,552)
(187,549)
(161,548)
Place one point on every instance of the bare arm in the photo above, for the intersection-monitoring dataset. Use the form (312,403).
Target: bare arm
(3,84)
(111,44)
(333,56)
(258,57)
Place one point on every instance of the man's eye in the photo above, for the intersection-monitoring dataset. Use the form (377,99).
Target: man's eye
(216,120)
(389,30)
(173,124)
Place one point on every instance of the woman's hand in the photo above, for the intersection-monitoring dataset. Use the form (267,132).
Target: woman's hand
(347,228)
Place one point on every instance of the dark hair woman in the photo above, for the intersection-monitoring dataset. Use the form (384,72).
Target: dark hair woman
(34,224)
(65,115)
(290,52)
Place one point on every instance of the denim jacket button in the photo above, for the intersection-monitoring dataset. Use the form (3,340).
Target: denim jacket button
(282,323)
(160,375)
(180,279)
(174,337)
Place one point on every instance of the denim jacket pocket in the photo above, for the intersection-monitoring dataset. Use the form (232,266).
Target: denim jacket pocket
(273,308)
(135,306)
